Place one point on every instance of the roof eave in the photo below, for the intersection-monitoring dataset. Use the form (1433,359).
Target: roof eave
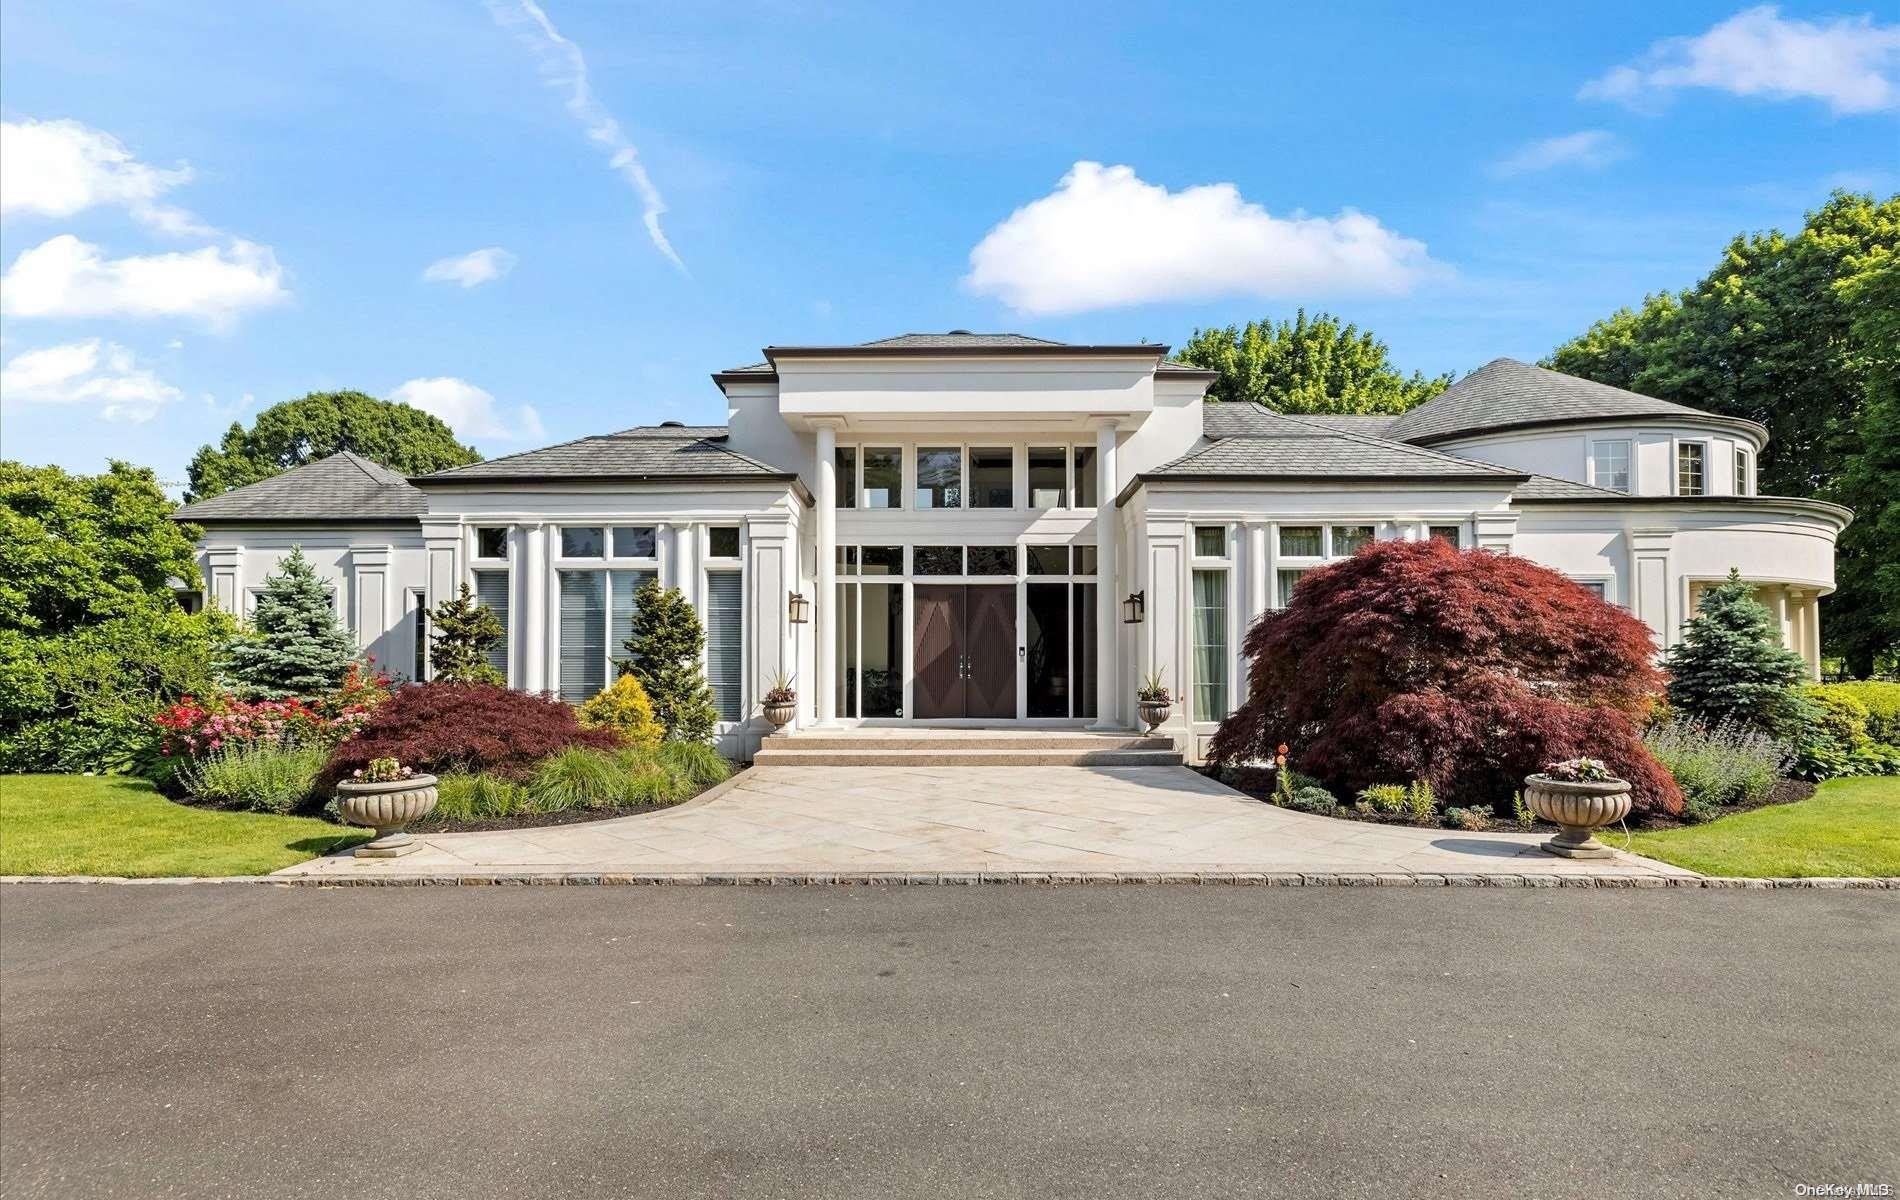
(1686,418)
(724,477)
(1825,508)
(1139,350)
(1502,480)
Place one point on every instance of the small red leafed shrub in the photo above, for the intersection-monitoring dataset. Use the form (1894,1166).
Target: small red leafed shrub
(475,727)
(1415,660)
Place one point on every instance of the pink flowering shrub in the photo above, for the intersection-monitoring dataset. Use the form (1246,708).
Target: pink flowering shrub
(192,728)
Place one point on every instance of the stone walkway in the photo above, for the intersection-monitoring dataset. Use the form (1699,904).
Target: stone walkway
(804,821)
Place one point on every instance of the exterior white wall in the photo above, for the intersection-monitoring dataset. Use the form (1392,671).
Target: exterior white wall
(373,573)
(1565,453)
(951,388)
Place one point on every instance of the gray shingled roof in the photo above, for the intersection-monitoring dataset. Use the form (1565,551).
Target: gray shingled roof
(1252,420)
(647,452)
(1549,487)
(1505,394)
(1323,455)
(342,487)
(956,341)
(960,337)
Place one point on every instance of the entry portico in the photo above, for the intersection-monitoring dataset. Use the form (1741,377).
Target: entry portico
(992,529)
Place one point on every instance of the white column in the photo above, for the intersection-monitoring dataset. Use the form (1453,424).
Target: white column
(1812,649)
(825,471)
(1109,588)
(1256,564)
(686,562)
(536,672)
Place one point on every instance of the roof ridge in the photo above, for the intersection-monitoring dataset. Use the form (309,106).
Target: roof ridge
(1373,439)
(517,454)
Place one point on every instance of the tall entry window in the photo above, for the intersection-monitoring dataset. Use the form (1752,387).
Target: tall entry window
(1059,638)
(491,591)
(725,651)
(872,632)
(1210,645)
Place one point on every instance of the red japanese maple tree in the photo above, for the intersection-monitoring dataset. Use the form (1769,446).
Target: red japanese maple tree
(1415,660)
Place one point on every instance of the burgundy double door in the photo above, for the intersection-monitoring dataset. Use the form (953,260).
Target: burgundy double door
(965,651)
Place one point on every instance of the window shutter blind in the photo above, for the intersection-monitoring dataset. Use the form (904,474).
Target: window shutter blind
(583,634)
(725,651)
(491,591)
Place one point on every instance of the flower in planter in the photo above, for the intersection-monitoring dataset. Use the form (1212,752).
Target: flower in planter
(382,770)
(1580,770)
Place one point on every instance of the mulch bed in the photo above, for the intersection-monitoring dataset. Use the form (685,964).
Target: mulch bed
(1786,791)
(571,816)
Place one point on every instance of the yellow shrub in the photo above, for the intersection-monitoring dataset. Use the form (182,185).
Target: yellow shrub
(623,707)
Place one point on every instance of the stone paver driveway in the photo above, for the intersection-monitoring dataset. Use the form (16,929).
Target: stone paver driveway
(984,819)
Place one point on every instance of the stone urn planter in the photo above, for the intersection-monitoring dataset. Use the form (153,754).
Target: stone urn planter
(1154,713)
(389,808)
(780,712)
(1581,807)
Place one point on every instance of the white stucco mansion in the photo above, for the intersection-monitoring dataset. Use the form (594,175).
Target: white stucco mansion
(991,528)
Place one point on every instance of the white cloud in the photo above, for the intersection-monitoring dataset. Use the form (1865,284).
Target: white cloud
(472,269)
(59,168)
(1849,63)
(88,372)
(65,277)
(1104,238)
(468,410)
(565,67)
(1589,148)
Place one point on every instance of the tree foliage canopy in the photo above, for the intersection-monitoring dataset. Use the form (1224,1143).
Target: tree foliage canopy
(91,640)
(79,549)
(404,439)
(1306,365)
(1415,660)
(1767,335)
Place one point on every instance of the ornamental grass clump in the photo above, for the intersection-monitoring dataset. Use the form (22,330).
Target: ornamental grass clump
(476,798)
(577,777)
(1465,669)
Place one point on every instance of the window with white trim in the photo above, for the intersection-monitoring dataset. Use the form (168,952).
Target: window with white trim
(1744,474)
(725,641)
(1610,465)
(598,571)
(1303,548)
(1691,468)
(491,592)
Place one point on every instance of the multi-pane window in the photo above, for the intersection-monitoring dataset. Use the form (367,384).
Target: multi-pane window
(1744,486)
(491,592)
(1610,465)
(992,477)
(725,647)
(583,616)
(1453,534)
(1210,645)
(939,477)
(883,477)
(1691,468)
(595,601)
(1305,547)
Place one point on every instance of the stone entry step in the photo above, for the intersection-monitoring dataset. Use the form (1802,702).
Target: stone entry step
(967,747)
(945,756)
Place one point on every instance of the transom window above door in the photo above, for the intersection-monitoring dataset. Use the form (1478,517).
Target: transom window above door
(967,476)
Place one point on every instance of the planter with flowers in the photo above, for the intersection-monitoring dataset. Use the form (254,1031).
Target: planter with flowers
(388,797)
(780,702)
(1582,795)
(1152,699)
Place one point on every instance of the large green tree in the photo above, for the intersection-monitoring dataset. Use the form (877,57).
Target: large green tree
(1307,365)
(1767,335)
(1797,332)
(290,434)
(1864,614)
(92,641)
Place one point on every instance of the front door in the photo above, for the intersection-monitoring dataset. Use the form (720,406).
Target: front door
(965,638)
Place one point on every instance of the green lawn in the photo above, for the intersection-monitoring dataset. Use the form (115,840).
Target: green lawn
(1849,827)
(111,825)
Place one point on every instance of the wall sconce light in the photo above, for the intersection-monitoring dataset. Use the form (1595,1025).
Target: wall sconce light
(800,608)
(1134,608)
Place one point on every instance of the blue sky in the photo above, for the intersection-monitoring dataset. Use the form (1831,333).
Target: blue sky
(211,212)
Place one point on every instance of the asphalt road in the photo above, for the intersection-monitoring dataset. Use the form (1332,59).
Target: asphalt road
(994,1041)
